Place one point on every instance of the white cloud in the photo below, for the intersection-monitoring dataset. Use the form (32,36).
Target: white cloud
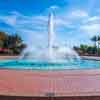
(91,25)
(94,18)
(61,22)
(40,18)
(39,23)
(10,20)
(35,27)
(90,29)
(78,13)
(73,18)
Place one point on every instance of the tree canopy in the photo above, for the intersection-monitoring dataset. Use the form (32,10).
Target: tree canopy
(13,43)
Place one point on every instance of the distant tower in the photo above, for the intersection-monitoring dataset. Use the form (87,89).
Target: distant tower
(50,34)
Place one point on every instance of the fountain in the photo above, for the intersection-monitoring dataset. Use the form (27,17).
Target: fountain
(50,57)
(51,53)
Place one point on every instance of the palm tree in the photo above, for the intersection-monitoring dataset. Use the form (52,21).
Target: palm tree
(98,41)
(94,39)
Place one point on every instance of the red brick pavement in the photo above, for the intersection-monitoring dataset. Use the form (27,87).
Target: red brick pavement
(44,83)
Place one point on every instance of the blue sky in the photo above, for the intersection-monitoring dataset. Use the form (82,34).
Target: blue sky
(75,21)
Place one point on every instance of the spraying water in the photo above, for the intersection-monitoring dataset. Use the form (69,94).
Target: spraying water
(50,53)
(50,35)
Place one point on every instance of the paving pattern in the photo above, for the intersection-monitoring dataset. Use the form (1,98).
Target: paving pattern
(50,83)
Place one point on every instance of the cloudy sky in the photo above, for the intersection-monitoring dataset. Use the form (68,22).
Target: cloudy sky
(75,21)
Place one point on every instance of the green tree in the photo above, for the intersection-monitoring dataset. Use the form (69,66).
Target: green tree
(15,43)
(98,40)
(91,50)
(83,48)
(3,37)
(94,39)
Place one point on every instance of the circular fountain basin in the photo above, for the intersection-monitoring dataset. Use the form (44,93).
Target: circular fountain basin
(49,65)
